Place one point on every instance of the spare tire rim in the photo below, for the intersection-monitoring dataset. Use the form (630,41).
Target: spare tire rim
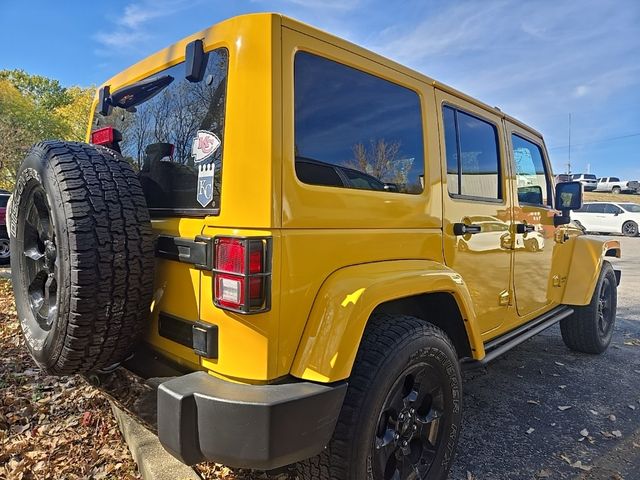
(4,248)
(605,310)
(41,253)
(409,429)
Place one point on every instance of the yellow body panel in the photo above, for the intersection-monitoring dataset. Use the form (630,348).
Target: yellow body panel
(349,296)
(338,253)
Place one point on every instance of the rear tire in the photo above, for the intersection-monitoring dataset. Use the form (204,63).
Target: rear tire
(616,190)
(630,229)
(590,328)
(402,409)
(5,250)
(83,256)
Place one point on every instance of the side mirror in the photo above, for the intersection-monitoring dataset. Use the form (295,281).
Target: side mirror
(568,197)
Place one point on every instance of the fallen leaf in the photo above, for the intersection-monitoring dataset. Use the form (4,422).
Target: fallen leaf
(616,433)
(543,473)
(562,386)
(593,412)
(559,364)
(530,431)
(584,432)
(562,408)
(612,418)
(632,407)
(534,402)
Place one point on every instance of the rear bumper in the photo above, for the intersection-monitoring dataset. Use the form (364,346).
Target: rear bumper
(252,426)
(202,418)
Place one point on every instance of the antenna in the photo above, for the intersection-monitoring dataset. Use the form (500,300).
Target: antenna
(569,160)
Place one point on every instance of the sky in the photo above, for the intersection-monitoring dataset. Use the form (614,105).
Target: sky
(540,61)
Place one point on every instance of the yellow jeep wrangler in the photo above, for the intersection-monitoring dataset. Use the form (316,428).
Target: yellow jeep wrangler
(290,246)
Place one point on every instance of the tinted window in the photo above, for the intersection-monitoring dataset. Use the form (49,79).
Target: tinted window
(575,177)
(347,118)
(614,179)
(590,177)
(158,136)
(318,173)
(597,208)
(473,163)
(3,201)
(631,207)
(531,173)
(612,209)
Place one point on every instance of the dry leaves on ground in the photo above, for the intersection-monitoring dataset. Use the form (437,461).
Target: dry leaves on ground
(52,427)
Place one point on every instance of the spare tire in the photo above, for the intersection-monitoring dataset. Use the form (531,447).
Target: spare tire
(83,256)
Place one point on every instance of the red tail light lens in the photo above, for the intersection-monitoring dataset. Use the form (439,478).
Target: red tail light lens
(103,136)
(242,274)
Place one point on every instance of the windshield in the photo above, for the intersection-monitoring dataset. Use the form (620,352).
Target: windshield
(631,207)
(172,132)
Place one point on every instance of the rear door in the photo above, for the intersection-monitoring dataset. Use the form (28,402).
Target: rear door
(174,140)
(477,213)
(534,221)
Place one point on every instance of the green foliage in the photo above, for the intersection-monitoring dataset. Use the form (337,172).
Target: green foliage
(44,92)
(35,108)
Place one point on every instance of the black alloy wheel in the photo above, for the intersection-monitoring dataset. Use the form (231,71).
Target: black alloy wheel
(41,267)
(409,429)
(605,312)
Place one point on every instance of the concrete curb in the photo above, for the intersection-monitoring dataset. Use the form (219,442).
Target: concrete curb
(153,461)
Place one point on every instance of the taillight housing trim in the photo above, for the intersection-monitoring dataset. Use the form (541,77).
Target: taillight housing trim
(246,276)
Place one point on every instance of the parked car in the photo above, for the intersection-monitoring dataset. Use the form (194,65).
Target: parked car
(588,181)
(563,177)
(608,217)
(615,185)
(282,310)
(4,234)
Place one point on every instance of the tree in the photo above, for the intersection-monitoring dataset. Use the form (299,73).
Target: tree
(44,92)
(35,108)
(381,160)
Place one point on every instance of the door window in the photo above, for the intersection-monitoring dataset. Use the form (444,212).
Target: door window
(473,162)
(612,209)
(368,129)
(598,208)
(534,187)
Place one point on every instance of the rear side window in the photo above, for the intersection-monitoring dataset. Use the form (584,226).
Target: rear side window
(158,138)
(473,162)
(366,129)
(614,179)
(4,199)
(534,187)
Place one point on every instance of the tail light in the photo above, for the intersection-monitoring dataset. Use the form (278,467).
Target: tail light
(242,274)
(103,136)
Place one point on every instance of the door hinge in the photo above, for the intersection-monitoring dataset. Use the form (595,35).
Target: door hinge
(198,251)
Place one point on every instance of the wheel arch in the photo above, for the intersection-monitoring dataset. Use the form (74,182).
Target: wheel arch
(349,297)
(586,262)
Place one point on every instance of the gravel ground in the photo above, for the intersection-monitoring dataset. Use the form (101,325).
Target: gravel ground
(516,421)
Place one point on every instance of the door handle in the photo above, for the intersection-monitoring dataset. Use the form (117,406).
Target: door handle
(464,229)
(524,228)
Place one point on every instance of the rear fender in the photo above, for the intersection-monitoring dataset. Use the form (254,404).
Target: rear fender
(586,262)
(346,300)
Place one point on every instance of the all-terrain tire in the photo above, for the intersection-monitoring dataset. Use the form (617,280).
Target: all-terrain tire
(616,190)
(391,344)
(83,256)
(590,328)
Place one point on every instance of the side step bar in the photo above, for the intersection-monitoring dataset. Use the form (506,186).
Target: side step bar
(509,340)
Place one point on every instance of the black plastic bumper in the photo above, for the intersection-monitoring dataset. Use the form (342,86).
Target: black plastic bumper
(202,418)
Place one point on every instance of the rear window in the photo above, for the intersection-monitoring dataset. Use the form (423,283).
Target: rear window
(158,138)
(590,177)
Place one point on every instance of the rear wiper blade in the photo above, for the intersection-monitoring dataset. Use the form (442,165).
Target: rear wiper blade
(139,92)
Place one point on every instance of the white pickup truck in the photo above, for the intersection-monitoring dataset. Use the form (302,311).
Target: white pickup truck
(615,185)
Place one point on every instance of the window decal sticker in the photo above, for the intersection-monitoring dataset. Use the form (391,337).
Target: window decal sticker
(204,146)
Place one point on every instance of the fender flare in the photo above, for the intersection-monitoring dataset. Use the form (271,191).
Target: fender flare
(340,312)
(586,263)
